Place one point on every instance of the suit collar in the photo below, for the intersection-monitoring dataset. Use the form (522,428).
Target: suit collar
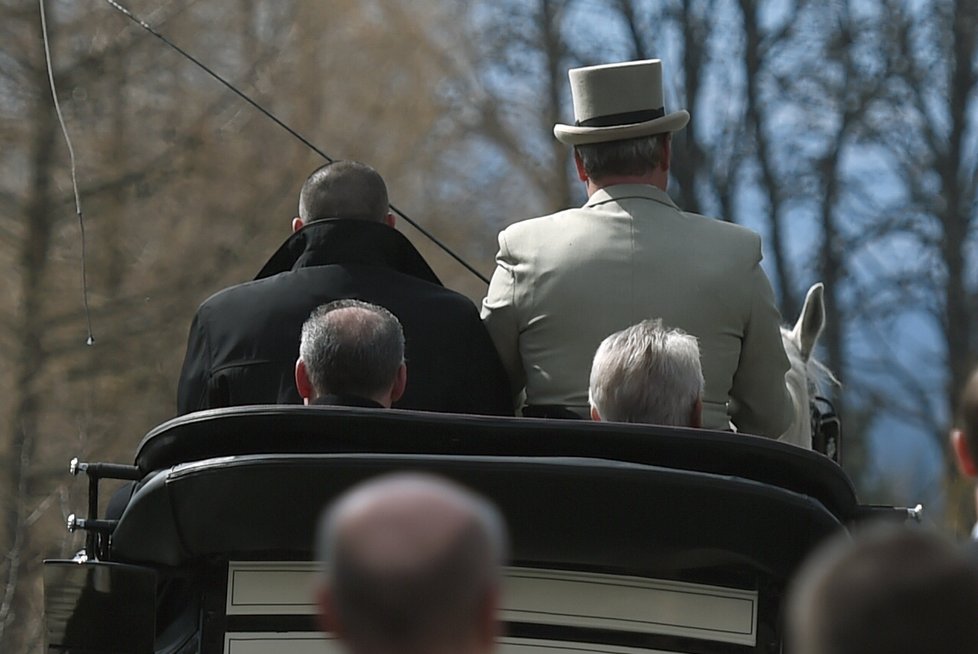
(620,192)
(345,241)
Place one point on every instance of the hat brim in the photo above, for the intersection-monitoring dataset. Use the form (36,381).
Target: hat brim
(578,135)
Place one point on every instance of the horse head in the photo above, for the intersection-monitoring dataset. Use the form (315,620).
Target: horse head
(807,376)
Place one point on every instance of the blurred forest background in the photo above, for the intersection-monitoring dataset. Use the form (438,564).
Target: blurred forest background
(844,131)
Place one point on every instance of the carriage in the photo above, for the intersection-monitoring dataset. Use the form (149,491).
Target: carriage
(625,538)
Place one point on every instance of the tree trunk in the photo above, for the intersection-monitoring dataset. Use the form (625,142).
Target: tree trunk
(28,363)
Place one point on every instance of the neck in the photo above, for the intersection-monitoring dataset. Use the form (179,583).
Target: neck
(658,178)
(320,398)
(383,400)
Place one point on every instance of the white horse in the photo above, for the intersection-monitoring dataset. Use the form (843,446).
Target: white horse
(807,376)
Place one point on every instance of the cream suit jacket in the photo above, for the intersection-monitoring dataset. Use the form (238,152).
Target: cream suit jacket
(565,281)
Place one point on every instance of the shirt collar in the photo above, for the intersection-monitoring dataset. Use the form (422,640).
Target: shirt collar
(619,192)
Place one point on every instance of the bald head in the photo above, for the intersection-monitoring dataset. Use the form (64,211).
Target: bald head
(412,564)
(889,591)
(344,189)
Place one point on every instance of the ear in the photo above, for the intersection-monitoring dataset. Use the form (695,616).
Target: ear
(967,463)
(302,383)
(696,416)
(666,153)
(326,617)
(581,173)
(811,321)
(390,219)
(400,383)
(297,224)
(595,416)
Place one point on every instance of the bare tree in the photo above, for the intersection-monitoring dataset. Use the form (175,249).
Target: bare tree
(185,190)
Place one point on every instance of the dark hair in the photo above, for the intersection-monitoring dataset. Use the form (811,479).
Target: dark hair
(343,189)
(628,157)
(889,591)
(351,347)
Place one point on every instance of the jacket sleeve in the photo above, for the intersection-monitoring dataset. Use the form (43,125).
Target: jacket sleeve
(762,405)
(192,391)
(499,314)
(489,380)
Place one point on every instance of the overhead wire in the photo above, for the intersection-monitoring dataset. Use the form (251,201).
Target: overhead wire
(74,173)
(284,126)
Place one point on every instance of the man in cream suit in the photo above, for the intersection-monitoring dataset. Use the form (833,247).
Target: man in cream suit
(564,282)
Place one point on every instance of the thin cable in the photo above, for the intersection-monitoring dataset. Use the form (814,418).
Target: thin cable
(288,129)
(74,177)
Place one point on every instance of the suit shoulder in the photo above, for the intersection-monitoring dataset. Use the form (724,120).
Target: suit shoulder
(539,222)
(530,229)
(735,238)
(247,292)
(453,298)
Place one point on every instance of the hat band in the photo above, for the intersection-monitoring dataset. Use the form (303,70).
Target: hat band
(627,118)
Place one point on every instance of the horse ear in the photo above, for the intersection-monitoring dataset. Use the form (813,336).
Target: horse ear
(811,321)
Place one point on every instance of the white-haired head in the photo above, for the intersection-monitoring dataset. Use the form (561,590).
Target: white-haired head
(647,374)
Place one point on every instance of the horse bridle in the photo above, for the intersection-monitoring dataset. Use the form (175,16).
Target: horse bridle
(826,428)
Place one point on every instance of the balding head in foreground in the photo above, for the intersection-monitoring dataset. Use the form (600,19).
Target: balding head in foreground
(648,374)
(889,591)
(412,566)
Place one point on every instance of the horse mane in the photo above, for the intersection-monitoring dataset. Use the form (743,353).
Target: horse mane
(818,375)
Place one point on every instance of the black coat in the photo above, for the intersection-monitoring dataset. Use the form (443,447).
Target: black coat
(244,340)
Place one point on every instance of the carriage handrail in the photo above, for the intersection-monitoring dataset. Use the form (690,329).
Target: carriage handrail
(270,429)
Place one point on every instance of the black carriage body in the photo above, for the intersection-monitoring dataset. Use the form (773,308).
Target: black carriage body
(625,538)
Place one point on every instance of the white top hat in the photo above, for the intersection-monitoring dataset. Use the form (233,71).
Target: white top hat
(613,102)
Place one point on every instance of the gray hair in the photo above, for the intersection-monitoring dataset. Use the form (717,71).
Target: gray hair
(647,374)
(418,571)
(628,157)
(343,189)
(351,347)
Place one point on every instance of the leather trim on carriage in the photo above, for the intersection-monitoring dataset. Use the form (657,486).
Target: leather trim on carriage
(563,512)
(322,429)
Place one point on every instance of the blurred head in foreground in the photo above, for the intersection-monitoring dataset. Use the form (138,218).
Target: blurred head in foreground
(412,566)
(648,374)
(890,590)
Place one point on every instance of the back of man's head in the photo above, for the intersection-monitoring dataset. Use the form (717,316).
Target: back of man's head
(344,189)
(648,374)
(628,157)
(889,591)
(349,347)
(412,565)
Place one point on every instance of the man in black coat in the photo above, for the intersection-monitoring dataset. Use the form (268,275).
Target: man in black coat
(243,341)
